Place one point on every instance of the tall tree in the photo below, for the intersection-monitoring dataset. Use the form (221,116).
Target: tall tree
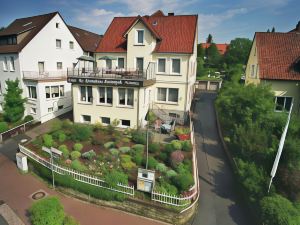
(200,51)
(238,51)
(213,55)
(13,101)
(2,28)
(209,39)
(268,31)
(273,30)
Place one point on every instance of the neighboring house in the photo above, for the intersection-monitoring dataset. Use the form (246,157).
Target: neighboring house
(221,47)
(275,60)
(38,50)
(143,63)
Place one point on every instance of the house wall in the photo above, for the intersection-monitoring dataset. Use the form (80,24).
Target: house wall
(252,60)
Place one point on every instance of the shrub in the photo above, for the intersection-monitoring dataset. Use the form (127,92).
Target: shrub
(126,162)
(171,173)
(47,211)
(125,140)
(77,147)
(75,155)
(182,130)
(138,148)
(114,177)
(161,167)
(109,145)
(138,159)
(186,146)
(77,165)
(70,221)
(27,118)
(124,149)
(176,145)
(163,156)
(47,140)
(3,127)
(114,151)
(139,137)
(89,155)
(56,125)
(176,158)
(81,132)
(154,147)
(67,124)
(64,150)
(152,162)
(183,181)
(167,188)
(168,148)
(62,137)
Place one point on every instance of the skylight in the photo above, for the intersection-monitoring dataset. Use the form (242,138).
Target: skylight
(26,24)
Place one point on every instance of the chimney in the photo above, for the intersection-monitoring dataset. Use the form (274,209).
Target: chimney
(171,14)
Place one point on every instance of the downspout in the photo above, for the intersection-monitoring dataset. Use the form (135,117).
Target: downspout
(138,108)
(187,85)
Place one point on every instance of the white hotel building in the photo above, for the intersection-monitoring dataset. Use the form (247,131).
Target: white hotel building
(38,50)
(142,63)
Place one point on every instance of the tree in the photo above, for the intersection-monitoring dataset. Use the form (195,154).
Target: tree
(238,51)
(213,55)
(268,31)
(13,102)
(273,30)
(277,210)
(2,28)
(200,51)
(209,39)
(48,211)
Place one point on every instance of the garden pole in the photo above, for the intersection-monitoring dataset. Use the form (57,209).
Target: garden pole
(147,136)
(52,169)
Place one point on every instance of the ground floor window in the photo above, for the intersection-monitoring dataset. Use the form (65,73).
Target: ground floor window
(125,123)
(33,110)
(50,109)
(54,91)
(105,95)
(86,118)
(126,96)
(283,103)
(86,94)
(32,92)
(105,120)
(167,95)
(60,107)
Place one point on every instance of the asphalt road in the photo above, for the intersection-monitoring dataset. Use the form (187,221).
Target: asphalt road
(220,203)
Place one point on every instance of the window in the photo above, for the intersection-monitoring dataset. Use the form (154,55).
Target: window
(58,43)
(125,123)
(60,107)
(32,92)
(174,115)
(47,89)
(161,66)
(105,95)
(86,118)
(50,109)
(126,96)
(57,25)
(55,91)
(86,94)
(12,64)
(61,90)
(5,64)
(105,120)
(283,103)
(108,63)
(167,95)
(71,44)
(253,71)
(59,65)
(140,37)
(140,64)
(175,66)
(121,63)
(33,110)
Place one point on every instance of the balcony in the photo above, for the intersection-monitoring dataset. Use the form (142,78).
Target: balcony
(46,75)
(112,77)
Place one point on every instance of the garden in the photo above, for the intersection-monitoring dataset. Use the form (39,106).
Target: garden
(115,155)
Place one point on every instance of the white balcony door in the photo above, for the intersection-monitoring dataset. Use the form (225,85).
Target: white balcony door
(41,67)
(140,64)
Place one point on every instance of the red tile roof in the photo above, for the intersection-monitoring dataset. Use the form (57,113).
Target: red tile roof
(221,47)
(277,55)
(86,39)
(177,33)
(31,25)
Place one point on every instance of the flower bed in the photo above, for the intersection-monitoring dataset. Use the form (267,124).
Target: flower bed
(115,155)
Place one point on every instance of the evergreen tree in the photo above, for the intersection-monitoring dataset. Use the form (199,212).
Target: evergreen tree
(200,51)
(213,55)
(2,28)
(268,31)
(13,102)
(209,39)
(273,30)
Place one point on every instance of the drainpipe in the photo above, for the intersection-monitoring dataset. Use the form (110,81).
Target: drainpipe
(187,85)
(138,108)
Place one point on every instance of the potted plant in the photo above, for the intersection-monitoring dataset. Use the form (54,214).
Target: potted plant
(183,133)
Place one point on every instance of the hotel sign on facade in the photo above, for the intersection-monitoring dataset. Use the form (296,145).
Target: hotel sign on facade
(106,82)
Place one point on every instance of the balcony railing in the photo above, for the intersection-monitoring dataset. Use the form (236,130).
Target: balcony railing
(103,73)
(46,75)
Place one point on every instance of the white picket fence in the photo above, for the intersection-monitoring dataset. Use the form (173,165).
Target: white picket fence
(181,200)
(82,177)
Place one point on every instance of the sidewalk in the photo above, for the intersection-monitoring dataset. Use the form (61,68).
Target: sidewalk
(41,129)
(16,188)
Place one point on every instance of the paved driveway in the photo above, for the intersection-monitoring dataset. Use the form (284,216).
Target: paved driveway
(219,199)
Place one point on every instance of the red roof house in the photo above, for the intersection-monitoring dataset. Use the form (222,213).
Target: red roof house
(221,47)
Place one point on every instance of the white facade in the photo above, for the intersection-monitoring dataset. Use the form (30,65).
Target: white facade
(178,85)
(42,63)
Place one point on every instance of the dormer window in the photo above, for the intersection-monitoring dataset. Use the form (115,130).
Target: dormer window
(140,37)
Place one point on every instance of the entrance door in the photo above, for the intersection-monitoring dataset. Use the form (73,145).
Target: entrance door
(140,64)
(41,67)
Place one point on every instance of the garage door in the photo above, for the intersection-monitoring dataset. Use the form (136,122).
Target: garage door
(202,85)
(213,86)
